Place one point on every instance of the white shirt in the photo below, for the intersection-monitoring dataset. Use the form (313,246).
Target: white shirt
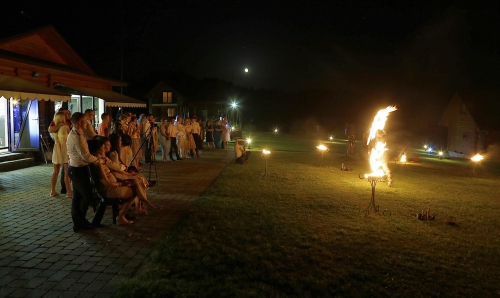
(172,130)
(180,130)
(145,128)
(78,149)
(196,127)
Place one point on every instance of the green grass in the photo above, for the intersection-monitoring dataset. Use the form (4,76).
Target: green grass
(300,232)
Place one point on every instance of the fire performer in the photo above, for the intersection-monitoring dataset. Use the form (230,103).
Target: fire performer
(379,139)
(378,157)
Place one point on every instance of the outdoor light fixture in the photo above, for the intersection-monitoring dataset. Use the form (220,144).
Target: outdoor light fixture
(232,128)
(425,147)
(331,138)
(234,104)
(429,149)
(403,158)
(249,141)
(246,69)
(440,153)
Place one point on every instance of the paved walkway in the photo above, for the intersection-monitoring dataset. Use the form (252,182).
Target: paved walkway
(41,256)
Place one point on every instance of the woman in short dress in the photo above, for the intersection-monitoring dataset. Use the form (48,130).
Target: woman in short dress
(209,134)
(60,155)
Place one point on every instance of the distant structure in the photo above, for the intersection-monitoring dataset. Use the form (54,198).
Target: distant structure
(472,121)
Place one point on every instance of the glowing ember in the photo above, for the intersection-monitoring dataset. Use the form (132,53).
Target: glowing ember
(403,158)
(264,151)
(321,147)
(378,163)
(477,158)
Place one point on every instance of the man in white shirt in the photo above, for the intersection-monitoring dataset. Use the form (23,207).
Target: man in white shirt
(79,158)
(172,134)
(240,153)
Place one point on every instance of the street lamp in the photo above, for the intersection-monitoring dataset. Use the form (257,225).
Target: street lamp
(246,69)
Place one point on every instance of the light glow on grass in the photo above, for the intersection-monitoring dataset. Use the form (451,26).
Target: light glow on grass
(321,147)
(306,223)
(477,158)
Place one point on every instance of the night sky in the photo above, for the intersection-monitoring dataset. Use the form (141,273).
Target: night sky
(372,53)
(286,44)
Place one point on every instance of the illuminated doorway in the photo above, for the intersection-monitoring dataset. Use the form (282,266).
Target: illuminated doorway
(24,125)
(4,128)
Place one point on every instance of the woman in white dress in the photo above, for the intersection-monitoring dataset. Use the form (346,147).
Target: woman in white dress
(60,155)
(225,133)
(181,138)
(164,139)
(190,144)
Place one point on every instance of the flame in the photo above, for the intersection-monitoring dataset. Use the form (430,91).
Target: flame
(478,157)
(378,151)
(321,147)
(403,158)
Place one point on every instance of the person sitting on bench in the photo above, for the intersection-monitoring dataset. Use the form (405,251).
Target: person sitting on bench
(109,186)
(240,152)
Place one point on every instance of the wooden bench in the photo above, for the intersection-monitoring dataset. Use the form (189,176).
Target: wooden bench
(101,202)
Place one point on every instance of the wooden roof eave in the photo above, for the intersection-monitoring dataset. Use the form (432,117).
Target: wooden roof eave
(62,73)
(45,33)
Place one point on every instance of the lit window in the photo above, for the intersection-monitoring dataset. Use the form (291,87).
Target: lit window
(171,112)
(167,97)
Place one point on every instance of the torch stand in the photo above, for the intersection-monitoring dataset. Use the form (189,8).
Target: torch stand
(372,205)
(264,174)
(321,163)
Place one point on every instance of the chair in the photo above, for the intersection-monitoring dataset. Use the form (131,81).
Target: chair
(101,202)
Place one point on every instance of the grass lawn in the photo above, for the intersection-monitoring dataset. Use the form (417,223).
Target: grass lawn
(299,232)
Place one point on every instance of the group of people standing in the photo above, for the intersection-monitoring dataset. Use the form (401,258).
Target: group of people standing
(103,156)
(113,152)
(184,137)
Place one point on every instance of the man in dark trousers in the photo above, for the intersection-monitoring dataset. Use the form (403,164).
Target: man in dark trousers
(79,159)
(172,134)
